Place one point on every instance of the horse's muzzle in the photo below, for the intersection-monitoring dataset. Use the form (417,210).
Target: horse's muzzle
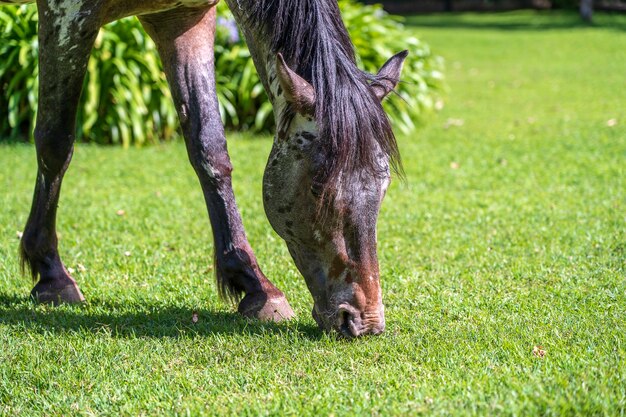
(350,322)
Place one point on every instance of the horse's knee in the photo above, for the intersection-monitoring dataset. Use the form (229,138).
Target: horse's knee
(215,167)
(54,148)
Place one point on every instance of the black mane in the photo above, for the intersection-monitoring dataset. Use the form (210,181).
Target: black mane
(351,121)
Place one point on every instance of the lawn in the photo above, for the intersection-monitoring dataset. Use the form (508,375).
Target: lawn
(503,258)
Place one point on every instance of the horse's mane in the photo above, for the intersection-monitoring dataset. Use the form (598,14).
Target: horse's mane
(352,124)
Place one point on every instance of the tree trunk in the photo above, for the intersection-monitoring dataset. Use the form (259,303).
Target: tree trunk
(586,10)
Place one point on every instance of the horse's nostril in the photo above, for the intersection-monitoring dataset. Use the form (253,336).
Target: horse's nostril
(347,323)
(344,326)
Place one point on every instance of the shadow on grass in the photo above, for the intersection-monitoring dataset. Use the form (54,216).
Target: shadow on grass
(507,21)
(138,320)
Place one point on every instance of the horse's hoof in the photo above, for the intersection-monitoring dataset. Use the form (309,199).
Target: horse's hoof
(258,306)
(66,292)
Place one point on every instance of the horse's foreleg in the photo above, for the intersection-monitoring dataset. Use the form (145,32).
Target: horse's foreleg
(185,42)
(64,46)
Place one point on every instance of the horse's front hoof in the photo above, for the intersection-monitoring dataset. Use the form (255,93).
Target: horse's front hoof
(56,293)
(259,306)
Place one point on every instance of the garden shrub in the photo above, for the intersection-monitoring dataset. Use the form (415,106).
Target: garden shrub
(377,36)
(125,96)
(126,99)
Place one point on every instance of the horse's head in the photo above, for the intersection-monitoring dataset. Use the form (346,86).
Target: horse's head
(323,199)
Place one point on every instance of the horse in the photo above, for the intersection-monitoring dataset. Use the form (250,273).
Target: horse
(330,165)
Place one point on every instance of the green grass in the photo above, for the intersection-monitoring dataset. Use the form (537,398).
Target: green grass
(509,233)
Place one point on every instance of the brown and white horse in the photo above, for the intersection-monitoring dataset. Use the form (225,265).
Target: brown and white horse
(326,175)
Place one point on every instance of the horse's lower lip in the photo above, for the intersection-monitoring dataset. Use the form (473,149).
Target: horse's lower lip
(348,322)
(378,330)
(346,331)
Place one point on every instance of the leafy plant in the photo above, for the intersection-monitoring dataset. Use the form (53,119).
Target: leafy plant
(377,36)
(126,99)
(243,102)
(125,96)
(19,71)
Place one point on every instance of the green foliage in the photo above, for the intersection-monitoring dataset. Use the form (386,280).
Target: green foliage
(243,102)
(377,36)
(126,98)
(18,70)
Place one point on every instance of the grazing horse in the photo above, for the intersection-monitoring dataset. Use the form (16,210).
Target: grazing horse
(326,175)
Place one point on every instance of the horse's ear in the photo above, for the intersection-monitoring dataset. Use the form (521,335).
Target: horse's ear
(296,89)
(389,75)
